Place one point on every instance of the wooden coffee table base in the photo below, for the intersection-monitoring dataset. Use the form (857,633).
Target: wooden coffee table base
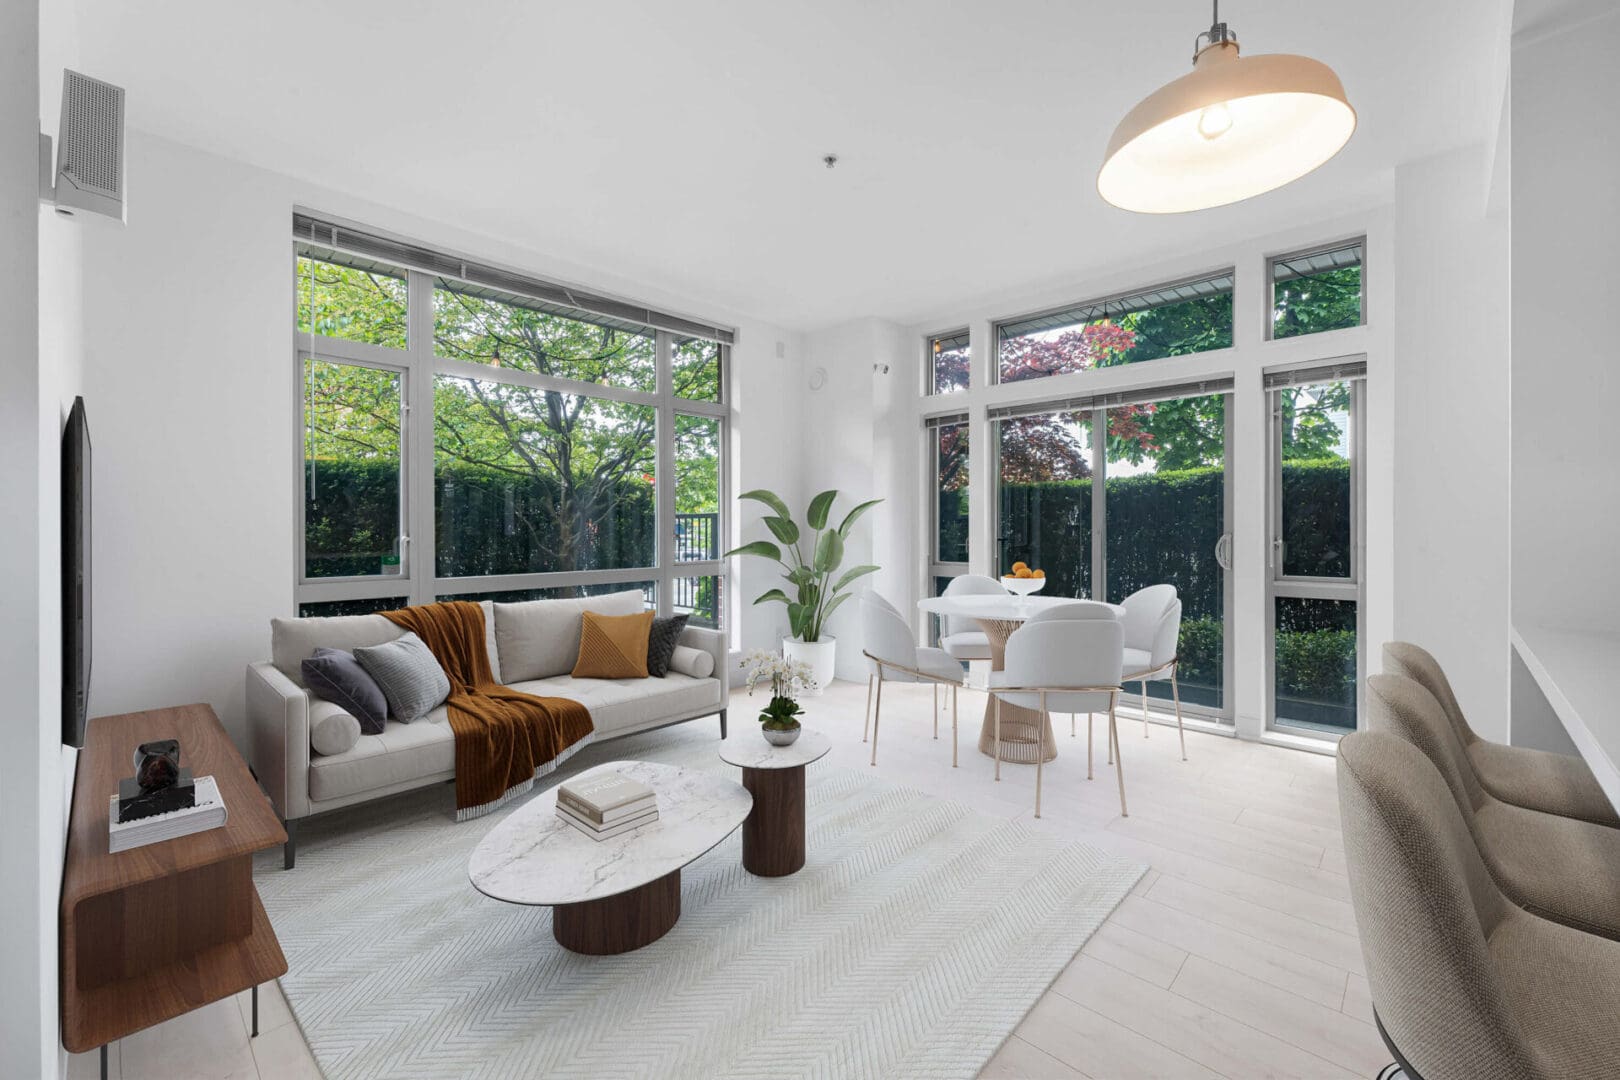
(773,834)
(619,924)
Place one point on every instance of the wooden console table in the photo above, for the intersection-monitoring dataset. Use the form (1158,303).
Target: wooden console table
(157,931)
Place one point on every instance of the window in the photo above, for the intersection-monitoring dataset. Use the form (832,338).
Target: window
(1045,464)
(353,470)
(481,326)
(949,440)
(1317,290)
(1315,581)
(560,444)
(1168,320)
(948,362)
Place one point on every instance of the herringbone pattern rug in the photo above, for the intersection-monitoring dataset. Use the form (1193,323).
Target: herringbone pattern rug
(911,944)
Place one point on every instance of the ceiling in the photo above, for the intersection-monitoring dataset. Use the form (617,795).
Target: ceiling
(679,144)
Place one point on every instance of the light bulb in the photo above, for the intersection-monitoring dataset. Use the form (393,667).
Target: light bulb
(1214,121)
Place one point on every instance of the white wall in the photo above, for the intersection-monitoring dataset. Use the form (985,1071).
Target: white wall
(1451,429)
(1565,389)
(188,378)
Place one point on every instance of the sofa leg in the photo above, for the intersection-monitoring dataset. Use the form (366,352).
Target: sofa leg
(722,723)
(289,850)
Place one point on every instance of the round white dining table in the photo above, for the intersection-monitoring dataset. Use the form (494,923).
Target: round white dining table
(1026,736)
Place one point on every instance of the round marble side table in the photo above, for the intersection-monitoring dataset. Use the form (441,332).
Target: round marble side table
(773,832)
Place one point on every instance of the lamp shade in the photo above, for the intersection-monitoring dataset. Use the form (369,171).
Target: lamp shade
(1232,128)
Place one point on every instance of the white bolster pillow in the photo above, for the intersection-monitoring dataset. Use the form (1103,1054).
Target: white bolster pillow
(694,662)
(335,732)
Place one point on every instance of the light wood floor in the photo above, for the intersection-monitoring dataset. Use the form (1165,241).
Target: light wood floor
(1235,956)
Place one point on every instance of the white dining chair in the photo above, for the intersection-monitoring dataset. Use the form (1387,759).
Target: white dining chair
(1078,609)
(960,635)
(893,655)
(1152,631)
(1072,664)
(872,667)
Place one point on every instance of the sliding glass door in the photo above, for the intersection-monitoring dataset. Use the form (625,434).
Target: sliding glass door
(1316,583)
(1165,522)
(1113,494)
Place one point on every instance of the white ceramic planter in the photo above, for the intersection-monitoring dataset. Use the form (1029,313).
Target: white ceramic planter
(821,656)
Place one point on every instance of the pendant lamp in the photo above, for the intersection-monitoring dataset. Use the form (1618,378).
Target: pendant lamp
(1231,129)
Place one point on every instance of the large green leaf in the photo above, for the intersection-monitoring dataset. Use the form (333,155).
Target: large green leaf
(801,576)
(774,594)
(770,499)
(829,552)
(853,516)
(852,574)
(832,607)
(783,529)
(820,507)
(798,617)
(763,548)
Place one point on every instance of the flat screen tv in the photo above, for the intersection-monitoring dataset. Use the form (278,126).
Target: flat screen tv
(75,575)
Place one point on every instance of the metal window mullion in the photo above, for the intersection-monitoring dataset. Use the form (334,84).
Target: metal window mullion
(665,474)
(463,369)
(320,590)
(701,408)
(560,579)
(352,352)
(1099,504)
(420,564)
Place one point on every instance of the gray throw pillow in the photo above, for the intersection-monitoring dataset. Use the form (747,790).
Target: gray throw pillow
(661,643)
(336,676)
(411,679)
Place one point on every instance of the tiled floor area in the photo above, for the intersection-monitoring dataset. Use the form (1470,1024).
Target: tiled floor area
(1235,956)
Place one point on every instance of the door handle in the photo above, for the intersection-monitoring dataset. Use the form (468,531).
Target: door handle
(1223,551)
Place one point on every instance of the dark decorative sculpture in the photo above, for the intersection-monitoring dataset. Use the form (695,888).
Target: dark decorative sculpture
(159,784)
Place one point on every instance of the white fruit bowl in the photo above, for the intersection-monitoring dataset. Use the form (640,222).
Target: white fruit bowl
(1023,586)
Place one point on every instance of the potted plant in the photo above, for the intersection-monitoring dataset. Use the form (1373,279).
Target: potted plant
(816,595)
(779,720)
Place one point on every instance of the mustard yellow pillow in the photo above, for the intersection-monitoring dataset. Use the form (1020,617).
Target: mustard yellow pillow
(613,646)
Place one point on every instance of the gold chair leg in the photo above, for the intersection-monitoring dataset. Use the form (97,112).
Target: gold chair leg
(998,738)
(1041,757)
(953,727)
(936,710)
(1088,746)
(1143,684)
(1119,760)
(877,714)
(1175,692)
(866,720)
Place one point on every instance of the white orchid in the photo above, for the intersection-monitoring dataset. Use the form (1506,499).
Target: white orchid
(788,678)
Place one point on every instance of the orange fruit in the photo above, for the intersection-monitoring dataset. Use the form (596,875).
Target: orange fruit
(1039,574)
(1023,572)
(1017,566)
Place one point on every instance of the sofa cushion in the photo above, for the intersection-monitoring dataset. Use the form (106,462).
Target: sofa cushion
(622,704)
(409,674)
(401,754)
(537,639)
(336,676)
(694,662)
(331,729)
(661,643)
(613,646)
(292,641)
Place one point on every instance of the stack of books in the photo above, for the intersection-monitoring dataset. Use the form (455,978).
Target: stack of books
(208,813)
(606,804)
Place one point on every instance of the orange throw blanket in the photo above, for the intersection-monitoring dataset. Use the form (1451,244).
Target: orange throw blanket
(504,738)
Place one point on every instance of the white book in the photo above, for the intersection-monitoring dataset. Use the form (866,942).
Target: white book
(208,813)
(604,832)
(604,791)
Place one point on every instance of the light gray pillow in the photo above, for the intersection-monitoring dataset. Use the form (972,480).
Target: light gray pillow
(331,730)
(411,679)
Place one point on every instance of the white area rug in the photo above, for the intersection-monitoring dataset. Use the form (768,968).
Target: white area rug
(914,940)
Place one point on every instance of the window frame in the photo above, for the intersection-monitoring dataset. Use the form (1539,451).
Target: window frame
(418,366)
(1270,280)
(930,372)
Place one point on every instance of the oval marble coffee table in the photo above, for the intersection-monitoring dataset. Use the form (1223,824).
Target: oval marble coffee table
(773,835)
(609,896)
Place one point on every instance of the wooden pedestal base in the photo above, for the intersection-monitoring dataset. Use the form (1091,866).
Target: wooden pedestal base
(773,834)
(618,924)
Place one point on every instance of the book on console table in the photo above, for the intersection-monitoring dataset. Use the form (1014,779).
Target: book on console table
(606,799)
(602,832)
(208,813)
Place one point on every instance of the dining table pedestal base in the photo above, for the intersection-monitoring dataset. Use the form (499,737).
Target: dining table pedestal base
(1026,735)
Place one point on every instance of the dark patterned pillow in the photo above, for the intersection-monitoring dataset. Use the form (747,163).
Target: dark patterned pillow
(661,644)
(336,676)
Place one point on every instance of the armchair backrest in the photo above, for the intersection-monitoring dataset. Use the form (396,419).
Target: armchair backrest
(1152,621)
(1079,609)
(969,585)
(1404,658)
(1425,907)
(1065,652)
(885,634)
(1402,707)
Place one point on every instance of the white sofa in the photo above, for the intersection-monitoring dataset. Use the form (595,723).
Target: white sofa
(532,647)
